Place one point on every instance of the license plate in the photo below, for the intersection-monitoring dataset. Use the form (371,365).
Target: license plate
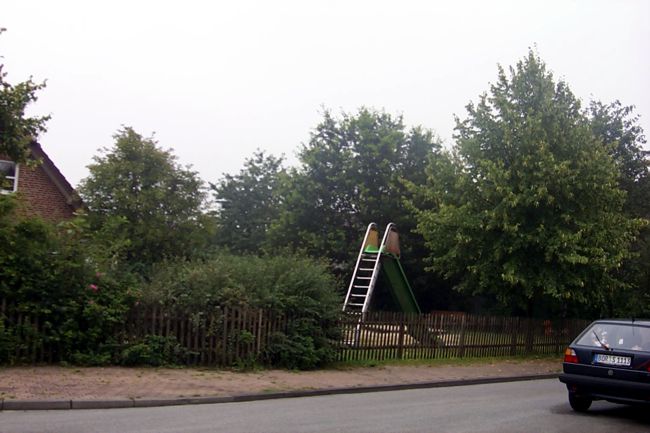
(624,361)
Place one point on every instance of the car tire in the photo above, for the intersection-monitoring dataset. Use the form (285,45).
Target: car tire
(579,403)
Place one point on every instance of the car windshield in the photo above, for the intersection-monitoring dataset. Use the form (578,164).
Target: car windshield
(617,336)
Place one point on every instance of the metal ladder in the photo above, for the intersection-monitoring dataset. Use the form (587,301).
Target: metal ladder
(366,270)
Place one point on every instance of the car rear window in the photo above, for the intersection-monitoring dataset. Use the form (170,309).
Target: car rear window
(617,336)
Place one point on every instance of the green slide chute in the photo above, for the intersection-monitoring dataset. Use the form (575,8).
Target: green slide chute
(398,284)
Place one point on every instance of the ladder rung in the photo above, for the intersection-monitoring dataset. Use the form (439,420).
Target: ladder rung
(361,287)
(364,278)
(357,296)
(352,304)
(366,269)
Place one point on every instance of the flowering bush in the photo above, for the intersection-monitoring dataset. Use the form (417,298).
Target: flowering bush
(46,272)
(81,290)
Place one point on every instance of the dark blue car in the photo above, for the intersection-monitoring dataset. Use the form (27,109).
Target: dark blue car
(610,360)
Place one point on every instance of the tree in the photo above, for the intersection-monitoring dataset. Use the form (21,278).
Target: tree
(528,207)
(152,205)
(617,127)
(249,203)
(16,129)
(353,171)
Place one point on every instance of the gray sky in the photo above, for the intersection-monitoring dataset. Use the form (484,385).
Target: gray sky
(217,79)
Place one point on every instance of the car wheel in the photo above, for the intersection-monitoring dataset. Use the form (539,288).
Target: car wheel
(579,403)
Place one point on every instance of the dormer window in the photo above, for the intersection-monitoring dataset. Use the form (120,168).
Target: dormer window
(8,177)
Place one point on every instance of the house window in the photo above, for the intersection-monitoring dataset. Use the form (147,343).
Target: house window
(8,177)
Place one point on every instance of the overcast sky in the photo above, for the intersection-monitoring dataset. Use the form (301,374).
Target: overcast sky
(216,80)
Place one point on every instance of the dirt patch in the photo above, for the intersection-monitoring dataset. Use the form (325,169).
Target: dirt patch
(63,383)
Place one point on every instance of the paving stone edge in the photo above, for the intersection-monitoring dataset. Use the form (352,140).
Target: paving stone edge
(24,405)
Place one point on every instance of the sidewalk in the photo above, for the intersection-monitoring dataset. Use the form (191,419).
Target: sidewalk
(71,387)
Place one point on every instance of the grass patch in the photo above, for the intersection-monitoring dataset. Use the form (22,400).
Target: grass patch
(439,362)
(272,390)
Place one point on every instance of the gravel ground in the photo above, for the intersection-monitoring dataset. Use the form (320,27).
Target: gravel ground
(89,383)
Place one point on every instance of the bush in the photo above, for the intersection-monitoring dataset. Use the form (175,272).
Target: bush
(47,272)
(294,352)
(154,351)
(275,282)
(81,289)
(91,359)
(298,287)
(7,343)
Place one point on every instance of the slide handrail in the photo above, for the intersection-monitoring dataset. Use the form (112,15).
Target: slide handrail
(375,271)
(371,227)
(387,240)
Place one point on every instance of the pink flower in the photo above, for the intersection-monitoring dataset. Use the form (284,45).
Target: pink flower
(93,287)
(91,302)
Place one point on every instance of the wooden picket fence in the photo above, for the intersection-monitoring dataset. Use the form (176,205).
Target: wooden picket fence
(25,335)
(387,335)
(222,338)
(228,336)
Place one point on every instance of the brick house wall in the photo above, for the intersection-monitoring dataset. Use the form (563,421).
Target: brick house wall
(43,191)
(40,197)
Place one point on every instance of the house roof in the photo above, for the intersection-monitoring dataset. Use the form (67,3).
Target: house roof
(55,175)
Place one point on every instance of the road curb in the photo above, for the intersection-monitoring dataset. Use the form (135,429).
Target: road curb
(23,405)
(35,404)
(101,404)
(181,401)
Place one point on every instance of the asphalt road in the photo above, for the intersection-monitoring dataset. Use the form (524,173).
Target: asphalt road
(531,406)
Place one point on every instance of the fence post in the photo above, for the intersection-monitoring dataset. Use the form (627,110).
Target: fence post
(224,337)
(557,331)
(400,344)
(153,320)
(461,338)
(530,335)
(258,339)
(514,334)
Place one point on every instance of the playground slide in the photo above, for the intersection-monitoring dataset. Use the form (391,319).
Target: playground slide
(398,284)
(379,257)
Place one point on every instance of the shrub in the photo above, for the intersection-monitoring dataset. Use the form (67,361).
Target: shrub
(46,272)
(82,293)
(7,343)
(154,351)
(91,358)
(275,282)
(298,287)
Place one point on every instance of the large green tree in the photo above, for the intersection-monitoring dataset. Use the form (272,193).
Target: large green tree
(248,203)
(618,128)
(140,197)
(353,171)
(16,129)
(527,206)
